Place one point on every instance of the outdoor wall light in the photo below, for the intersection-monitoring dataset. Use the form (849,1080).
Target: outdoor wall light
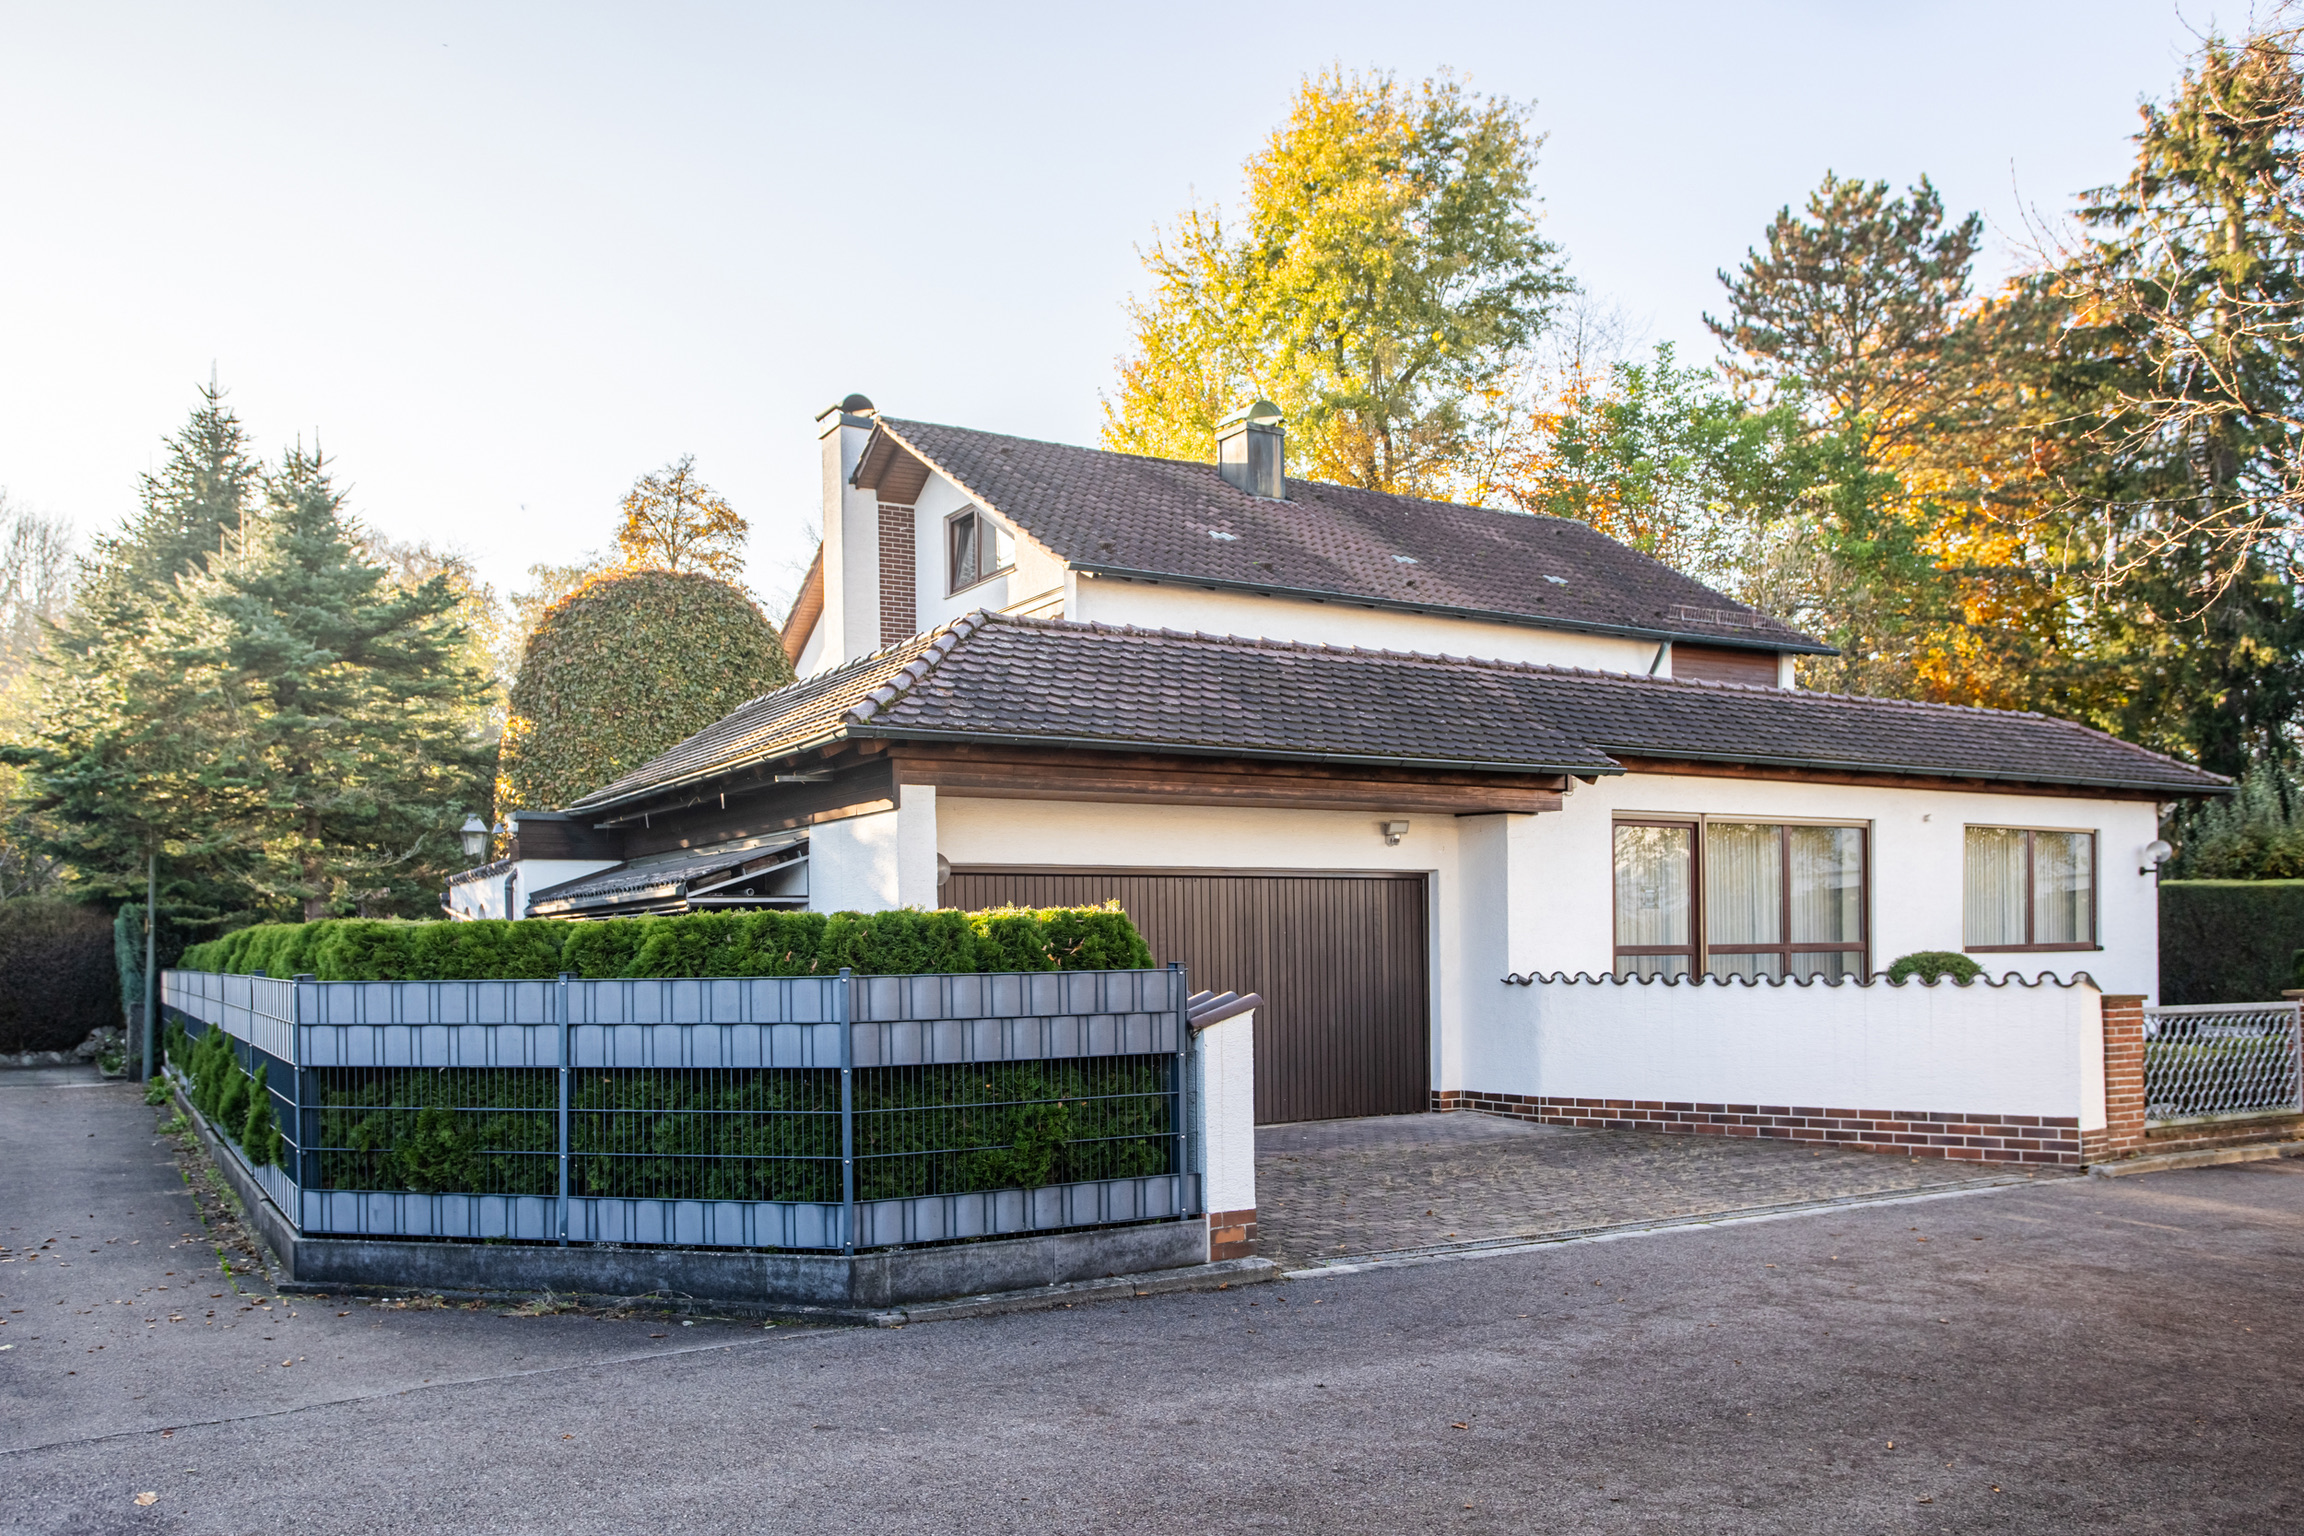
(1393,832)
(475,835)
(2156,853)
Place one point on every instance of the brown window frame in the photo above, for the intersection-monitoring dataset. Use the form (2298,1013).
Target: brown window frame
(1700,949)
(1694,948)
(953,585)
(2095,892)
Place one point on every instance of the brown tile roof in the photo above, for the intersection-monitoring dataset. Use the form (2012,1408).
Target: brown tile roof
(1121,513)
(991,677)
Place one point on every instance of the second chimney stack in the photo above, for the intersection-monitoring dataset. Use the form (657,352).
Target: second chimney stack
(1251,451)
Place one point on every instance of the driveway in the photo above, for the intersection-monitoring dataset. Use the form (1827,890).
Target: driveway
(1347,1189)
(2066,1355)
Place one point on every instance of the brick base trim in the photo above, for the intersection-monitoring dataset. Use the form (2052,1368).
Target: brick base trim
(1917,1133)
(2107,1146)
(1231,1235)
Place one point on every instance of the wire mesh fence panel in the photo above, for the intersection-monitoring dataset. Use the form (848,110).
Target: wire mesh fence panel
(705,1133)
(945,1130)
(435,1130)
(2216,1062)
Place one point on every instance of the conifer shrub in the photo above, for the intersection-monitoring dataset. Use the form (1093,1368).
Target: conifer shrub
(623,667)
(757,943)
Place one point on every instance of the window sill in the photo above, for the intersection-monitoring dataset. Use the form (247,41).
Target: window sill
(2032,949)
(1008,570)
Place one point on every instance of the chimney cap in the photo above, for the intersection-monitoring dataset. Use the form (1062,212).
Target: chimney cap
(854,405)
(1261,413)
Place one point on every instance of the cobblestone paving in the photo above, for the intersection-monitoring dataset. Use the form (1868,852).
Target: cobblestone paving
(1336,1188)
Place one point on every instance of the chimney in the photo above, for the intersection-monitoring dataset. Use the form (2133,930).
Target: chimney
(1251,451)
(851,616)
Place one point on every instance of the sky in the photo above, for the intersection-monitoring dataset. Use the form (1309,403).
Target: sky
(498,260)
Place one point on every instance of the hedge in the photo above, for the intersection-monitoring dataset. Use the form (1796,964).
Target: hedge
(60,985)
(2229,941)
(623,668)
(755,943)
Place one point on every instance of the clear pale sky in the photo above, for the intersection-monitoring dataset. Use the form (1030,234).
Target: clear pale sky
(500,259)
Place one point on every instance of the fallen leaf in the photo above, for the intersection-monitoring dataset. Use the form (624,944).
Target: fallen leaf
(147,1499)
(1459,1426)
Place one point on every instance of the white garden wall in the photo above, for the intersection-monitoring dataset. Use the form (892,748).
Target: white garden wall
(2008,1050)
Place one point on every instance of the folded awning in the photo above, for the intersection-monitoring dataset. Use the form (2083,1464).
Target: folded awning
(764,872)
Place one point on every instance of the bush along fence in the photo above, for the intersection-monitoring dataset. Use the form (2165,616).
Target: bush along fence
(827,1113)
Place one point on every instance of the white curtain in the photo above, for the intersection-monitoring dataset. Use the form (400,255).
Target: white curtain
(1994,900)
(1827,886)
(1743,886)
(1652,889)
(2063,888)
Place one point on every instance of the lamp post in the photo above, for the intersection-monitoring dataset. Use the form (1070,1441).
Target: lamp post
(475,835)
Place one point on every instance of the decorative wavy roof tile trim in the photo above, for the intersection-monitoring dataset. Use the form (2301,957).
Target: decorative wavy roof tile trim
(1876,979)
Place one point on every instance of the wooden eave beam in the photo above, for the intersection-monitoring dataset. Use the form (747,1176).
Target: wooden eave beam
(1699,769)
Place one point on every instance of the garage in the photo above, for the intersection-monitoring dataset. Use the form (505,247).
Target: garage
(1339,958)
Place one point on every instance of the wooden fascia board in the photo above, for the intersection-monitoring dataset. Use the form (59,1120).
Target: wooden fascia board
(1697,768)
(911,757)
(1169,781)
(807,609)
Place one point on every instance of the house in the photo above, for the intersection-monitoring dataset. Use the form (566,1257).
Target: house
(1371,756)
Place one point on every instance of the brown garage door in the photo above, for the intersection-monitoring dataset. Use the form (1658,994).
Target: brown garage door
(1340,960)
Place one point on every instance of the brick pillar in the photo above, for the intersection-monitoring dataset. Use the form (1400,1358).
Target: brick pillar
(899,611)
(1231,1235)
(2123,1133)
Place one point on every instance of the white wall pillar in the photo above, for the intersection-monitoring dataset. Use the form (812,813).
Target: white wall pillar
(1223,1088)
(872,863)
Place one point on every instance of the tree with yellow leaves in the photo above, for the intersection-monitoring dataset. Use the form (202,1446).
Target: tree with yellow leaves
(1384,282)
(673,521)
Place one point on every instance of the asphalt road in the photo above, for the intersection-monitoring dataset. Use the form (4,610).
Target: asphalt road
(2079,1355)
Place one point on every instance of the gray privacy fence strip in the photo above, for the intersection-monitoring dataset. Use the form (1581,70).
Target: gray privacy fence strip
(698,1027)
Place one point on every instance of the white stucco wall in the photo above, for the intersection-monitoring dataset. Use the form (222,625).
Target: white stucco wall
(869,863)
(1918,855)
(1174,605)
(1224,1113)
(2016,1049)
(1037,570)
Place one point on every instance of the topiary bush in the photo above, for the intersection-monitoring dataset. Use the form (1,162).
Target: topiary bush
(722,943)
(61,980)
(625,666)
(1933,965)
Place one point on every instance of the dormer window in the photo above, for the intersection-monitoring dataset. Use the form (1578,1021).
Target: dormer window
(979,548)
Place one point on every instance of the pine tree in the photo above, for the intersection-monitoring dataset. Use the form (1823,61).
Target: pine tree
(353,708)
(131,754)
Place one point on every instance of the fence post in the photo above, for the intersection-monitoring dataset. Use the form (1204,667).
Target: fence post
(560,1007)
(306,1164)
(846,1004)
(1179,1086)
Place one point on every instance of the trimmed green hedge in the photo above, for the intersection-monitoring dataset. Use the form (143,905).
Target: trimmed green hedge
(56,956)
(758,943)
(2229,941)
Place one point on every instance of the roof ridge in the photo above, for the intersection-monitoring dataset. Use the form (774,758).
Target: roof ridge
(946,638)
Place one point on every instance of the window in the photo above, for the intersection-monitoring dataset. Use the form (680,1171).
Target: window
(2030,888)
(980,548)
(1767,898)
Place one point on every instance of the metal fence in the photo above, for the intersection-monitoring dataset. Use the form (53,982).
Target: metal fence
(2222,1061)
(810,1113)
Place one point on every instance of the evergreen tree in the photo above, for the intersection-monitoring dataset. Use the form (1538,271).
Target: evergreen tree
(353,708)
(130,751)
(189,507)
